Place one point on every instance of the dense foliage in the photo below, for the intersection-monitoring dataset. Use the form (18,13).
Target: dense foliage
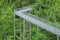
(47,9)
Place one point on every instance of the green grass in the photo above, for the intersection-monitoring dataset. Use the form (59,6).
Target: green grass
(50,12)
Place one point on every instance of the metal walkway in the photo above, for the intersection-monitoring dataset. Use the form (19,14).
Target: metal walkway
(40,22)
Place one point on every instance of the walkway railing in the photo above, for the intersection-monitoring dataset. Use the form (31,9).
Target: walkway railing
(24,15)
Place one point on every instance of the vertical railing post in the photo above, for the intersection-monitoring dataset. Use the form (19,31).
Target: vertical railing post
(23,29)
(14,26)
(57,37)
(30,30)
(20,28)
